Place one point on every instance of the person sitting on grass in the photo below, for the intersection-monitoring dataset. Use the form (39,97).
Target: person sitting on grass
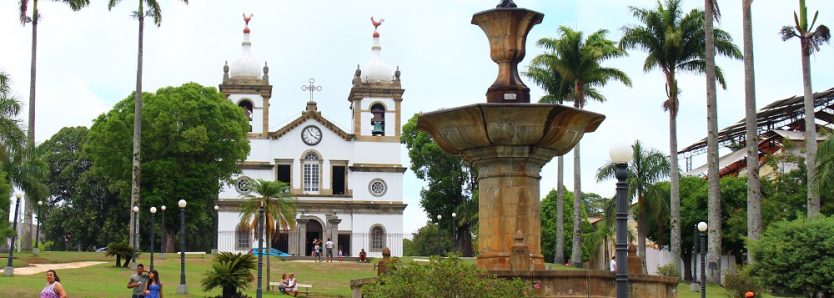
(292,286)
(362,256)
(282,287)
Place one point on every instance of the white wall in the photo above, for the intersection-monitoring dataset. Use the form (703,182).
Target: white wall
(377,152)
(362,223)
(257,111)
(360,181)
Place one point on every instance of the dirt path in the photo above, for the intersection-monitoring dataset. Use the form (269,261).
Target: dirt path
(39,268)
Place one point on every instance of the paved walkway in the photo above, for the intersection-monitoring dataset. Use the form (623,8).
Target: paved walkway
(40,268)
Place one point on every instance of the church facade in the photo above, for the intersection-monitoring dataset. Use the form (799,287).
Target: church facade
(348,184)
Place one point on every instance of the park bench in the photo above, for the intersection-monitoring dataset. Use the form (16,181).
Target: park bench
(302,288)
(202,254)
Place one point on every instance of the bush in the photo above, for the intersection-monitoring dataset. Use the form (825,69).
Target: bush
(794,257)
(230,272)
(738,283)
(668,270)
(449,277)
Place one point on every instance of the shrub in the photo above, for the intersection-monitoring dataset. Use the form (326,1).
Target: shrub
(794,257)
(449,277)
(230,272)
(121,250)
(668,270)
(738,283)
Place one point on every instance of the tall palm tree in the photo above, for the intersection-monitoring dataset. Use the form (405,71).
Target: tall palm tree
(825,164)
(543,72)
(279,211)
(155,12)
(809,39)
(34,19)
(674,42)
(645,169)
(578,60)
(754,189)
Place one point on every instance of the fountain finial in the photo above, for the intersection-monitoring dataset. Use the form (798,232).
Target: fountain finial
(506,4)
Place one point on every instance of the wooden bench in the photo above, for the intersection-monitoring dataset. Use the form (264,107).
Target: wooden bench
(302,288)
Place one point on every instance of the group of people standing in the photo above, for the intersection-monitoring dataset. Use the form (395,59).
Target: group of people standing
(329,245)
(145,284)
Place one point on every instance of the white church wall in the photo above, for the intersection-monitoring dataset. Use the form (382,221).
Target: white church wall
(227,225)
(390,114)
(361,180)
(362,223)
(229,191)
(377,153)
(259,150)
(291,146)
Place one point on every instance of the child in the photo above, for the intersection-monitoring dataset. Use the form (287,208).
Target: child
(341,257)
(317,250)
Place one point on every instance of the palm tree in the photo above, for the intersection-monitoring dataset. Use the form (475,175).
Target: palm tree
(754,189)
(230,272)
(674,42)
(155,12)
(645,169)
(24,18)
(279,211)
(544,74)
(577,61)
(810,40)
(825,165)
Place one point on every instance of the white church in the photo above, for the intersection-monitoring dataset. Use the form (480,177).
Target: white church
(349,184)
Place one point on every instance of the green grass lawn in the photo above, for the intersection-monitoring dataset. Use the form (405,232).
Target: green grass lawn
(328,279)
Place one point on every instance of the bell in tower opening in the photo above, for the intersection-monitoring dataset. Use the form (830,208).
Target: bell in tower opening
(378,121)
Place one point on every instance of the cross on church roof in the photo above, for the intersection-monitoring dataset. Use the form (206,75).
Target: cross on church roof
(311,87)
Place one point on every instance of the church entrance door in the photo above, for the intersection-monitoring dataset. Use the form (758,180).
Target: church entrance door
(314,231)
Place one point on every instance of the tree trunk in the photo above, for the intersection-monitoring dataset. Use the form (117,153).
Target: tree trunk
(674,172)
(576,248)
(559,256)
(687,267)
(713,178)
(810,137)
(30,131)
(137,130)
(465,238)
(268,251)
(754,192)
(642,231)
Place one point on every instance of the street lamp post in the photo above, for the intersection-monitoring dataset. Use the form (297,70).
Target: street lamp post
(694,286)
(36,250)
(135,210)
(260,248)
(153,226)
(9,270)
(454,232)
(702,226)
(182,288)
(162,245)
(621,155)
(216,229)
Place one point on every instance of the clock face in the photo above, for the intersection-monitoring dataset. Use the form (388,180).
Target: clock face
(311,135)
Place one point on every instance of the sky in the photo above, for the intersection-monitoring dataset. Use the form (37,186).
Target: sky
(87,63)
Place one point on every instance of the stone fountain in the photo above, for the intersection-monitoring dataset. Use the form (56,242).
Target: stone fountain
(508,140)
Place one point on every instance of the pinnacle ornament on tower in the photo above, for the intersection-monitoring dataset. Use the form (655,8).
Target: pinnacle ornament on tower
(376,70)
(245,67)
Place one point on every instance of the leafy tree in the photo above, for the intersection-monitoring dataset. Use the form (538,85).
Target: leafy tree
(279,211)
(549,224)
(451,181)
(429,241)
(646,168)
(825,169)
(793,257)
(446,277)
(120,250)
(196,139)
(674,42)
(230,272)
(809,39)
(578,61)
(155,12)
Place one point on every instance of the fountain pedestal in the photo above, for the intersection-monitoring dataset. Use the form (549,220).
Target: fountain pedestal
(508,144)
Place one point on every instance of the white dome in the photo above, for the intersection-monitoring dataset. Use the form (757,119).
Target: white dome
(245,65)
(377,70)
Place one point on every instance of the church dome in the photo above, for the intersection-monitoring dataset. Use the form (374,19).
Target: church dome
(245,65)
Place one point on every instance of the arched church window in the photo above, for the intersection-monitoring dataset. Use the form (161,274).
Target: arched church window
(377,238)
(242,236)
(378,119)
(311,166)
(247,107)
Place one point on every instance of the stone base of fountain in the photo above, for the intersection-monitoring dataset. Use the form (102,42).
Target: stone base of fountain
(597,284)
